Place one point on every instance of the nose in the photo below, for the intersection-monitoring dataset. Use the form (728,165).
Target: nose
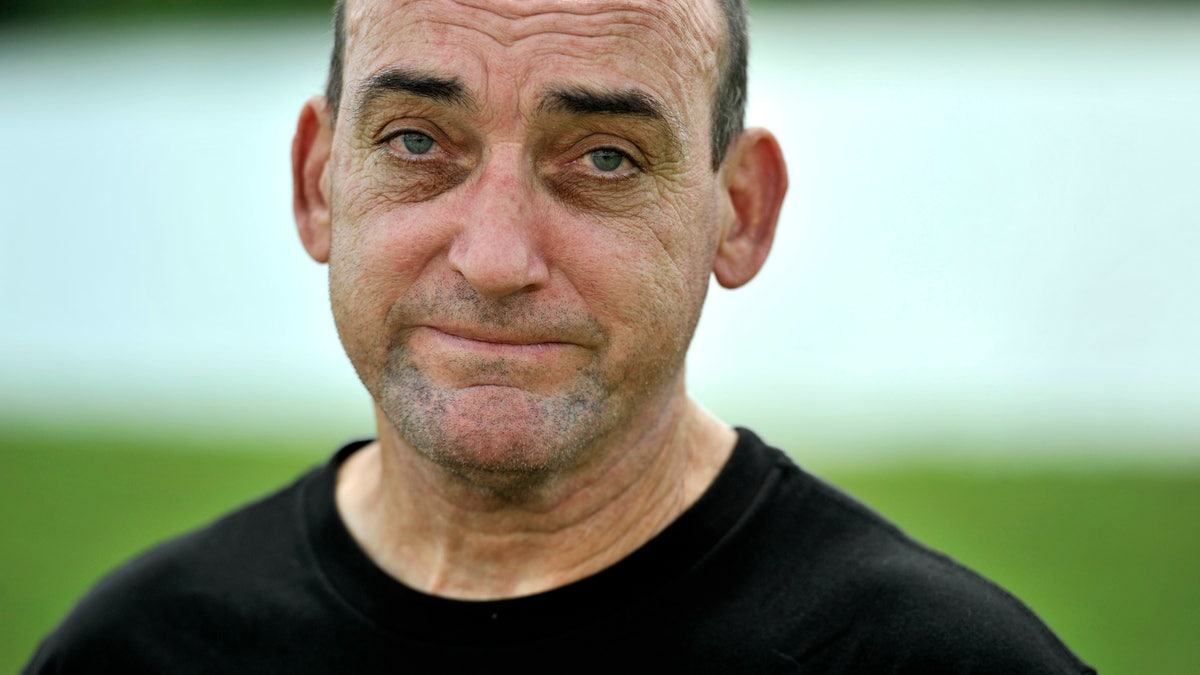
(498,248)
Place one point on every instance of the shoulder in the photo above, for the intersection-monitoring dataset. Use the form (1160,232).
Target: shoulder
(854,593)
(914,610)
(173,596)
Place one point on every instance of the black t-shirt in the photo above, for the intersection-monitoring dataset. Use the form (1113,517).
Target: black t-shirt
(771,571)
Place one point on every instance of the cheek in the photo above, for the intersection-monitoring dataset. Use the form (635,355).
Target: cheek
(381,239)
(674,244)
(645,278)
(377,254)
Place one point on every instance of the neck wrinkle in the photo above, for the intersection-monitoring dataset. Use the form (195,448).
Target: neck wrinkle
(429,532)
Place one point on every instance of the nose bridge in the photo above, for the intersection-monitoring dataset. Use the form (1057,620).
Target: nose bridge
(503,189)
(497,248)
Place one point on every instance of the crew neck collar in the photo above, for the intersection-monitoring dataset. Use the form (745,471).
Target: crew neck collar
(637,578)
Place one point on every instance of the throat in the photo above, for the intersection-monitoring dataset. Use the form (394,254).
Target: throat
(439,535)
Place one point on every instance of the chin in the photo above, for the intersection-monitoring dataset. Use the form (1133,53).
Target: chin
(495,436)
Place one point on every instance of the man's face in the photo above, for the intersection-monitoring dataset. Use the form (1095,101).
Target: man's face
(524,219)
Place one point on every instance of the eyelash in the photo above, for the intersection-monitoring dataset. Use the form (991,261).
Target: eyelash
(626,157)
(409,155)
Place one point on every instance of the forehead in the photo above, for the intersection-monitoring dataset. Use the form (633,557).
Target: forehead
(512,47)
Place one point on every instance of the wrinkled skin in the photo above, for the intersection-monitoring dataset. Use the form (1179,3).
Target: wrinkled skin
(509,301)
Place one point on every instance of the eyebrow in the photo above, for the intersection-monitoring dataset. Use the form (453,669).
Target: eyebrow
(634,103)
(583,101)
(413,82)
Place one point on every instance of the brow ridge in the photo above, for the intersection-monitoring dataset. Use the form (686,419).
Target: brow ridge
(413,82)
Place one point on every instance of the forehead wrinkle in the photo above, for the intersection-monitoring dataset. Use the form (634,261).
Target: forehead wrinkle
(524,18)
(691,30)
(692,33)
(683,38)
(678,23)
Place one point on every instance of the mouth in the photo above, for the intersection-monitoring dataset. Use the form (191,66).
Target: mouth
(460,358)
(497,342)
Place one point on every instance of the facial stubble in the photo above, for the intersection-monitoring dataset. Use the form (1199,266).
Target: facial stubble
(504,439)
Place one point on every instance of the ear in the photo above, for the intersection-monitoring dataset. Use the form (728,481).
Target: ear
(311,148)
(754,177)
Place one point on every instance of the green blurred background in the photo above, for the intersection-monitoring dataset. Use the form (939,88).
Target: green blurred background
(980,316)
(1106,556)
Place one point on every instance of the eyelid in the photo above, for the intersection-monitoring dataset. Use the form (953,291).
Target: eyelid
(403,125)
(389,141)
(400,131)
(589,159)
(625,149)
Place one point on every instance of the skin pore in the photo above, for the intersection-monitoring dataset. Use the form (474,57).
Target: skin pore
(519,211)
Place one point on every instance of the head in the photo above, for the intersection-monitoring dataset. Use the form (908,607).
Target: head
(521,204)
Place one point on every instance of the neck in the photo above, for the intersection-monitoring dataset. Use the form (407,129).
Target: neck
(436,534)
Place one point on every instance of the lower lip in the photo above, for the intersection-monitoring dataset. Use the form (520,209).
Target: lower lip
(499,349)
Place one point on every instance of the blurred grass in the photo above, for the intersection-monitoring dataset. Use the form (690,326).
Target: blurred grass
(1107,557)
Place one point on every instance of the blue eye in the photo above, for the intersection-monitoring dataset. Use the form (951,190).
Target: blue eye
(415,142)
(606,159)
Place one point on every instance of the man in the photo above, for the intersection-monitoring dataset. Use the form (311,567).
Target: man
(521,203)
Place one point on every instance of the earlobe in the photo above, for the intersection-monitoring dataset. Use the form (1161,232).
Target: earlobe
(311,148)
(754,178)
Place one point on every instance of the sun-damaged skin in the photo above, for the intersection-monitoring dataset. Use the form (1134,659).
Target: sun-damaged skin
(517,204)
